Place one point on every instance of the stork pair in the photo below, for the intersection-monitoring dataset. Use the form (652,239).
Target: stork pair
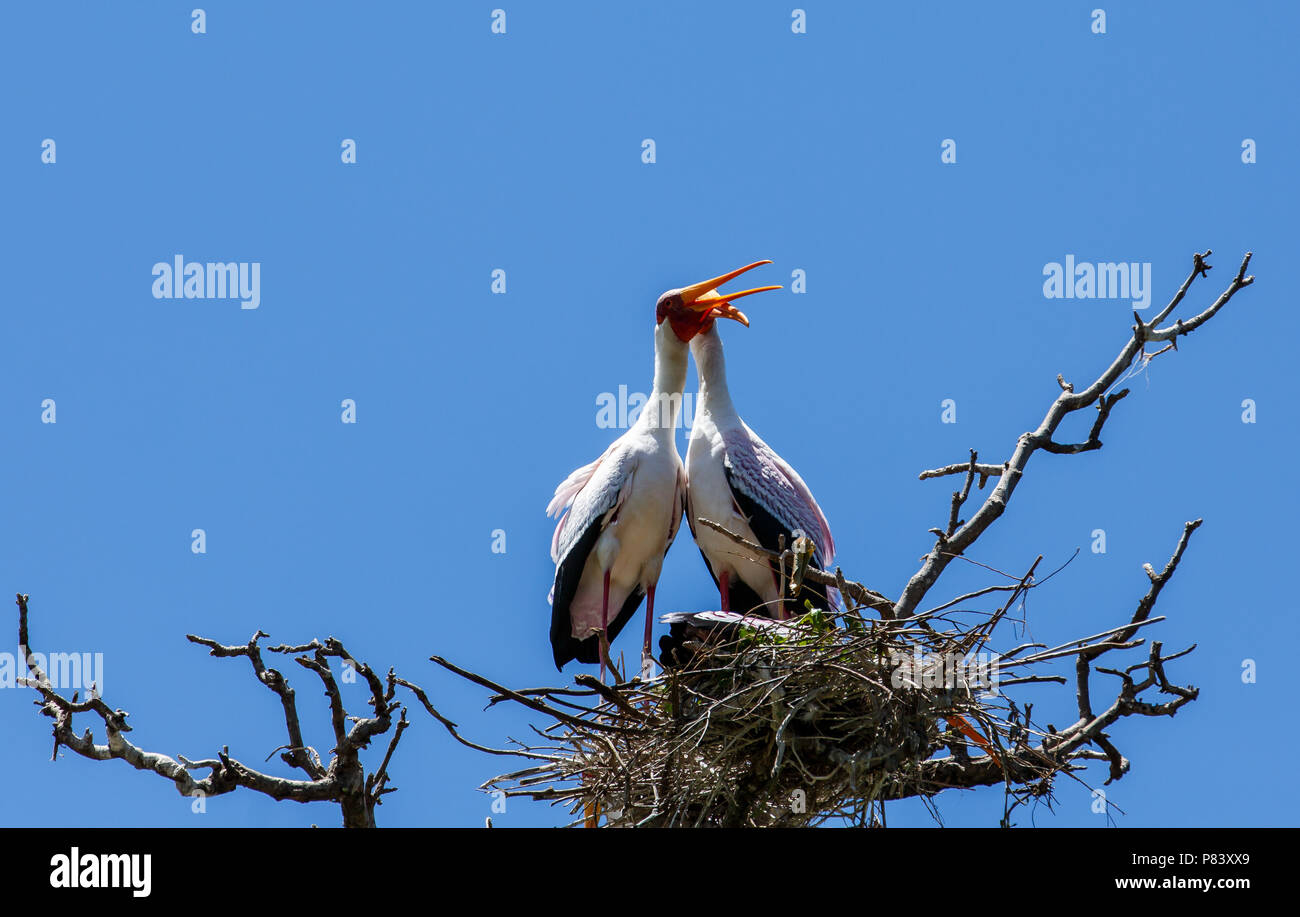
(622,511)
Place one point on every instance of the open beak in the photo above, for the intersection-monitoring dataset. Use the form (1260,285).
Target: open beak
(704,296)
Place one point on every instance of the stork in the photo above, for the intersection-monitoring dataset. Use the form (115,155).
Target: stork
(622,511)
(737,480)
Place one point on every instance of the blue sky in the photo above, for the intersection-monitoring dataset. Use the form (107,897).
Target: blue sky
(522,152)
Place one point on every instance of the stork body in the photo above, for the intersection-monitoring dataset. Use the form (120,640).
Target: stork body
(624,510)
(736,480)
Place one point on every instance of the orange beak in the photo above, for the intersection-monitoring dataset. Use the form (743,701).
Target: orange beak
(704,296)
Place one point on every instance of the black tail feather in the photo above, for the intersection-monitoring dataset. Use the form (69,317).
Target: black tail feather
(566,647)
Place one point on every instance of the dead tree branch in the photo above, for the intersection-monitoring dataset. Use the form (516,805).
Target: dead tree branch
(1067,402)
(342,780)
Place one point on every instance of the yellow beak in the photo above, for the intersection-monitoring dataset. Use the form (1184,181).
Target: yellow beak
(704,295)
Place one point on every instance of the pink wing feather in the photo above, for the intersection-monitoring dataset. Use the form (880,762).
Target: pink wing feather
(766,477)
(567,491)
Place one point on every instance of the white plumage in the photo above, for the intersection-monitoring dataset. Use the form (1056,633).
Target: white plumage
(623,511)
(737,480)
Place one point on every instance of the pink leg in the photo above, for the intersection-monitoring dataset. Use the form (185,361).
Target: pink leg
(603,637)
(649,621)
(724,590)
(592,813)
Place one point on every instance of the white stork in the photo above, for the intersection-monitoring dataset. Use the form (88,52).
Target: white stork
(622,511)
(736,480)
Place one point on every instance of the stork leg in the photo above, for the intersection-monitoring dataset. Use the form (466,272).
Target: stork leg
(646,657)
(724,590)
(602,641)
(591,811)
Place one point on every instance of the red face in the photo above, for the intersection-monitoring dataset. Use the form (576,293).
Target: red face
(692,310)
(687,322)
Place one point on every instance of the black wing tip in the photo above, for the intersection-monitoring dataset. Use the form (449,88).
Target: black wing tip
(566,650)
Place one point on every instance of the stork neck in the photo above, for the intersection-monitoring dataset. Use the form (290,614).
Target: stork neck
(665,402)
(715,397)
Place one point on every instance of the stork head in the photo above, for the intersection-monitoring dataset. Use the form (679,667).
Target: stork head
(692,310)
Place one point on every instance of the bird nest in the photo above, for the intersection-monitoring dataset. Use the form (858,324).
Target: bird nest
(764,725)
(756,722)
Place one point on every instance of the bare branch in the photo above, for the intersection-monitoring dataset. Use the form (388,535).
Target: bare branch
(342,781)
(983,470)
(297,754)
(859,593)
(1066,403)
